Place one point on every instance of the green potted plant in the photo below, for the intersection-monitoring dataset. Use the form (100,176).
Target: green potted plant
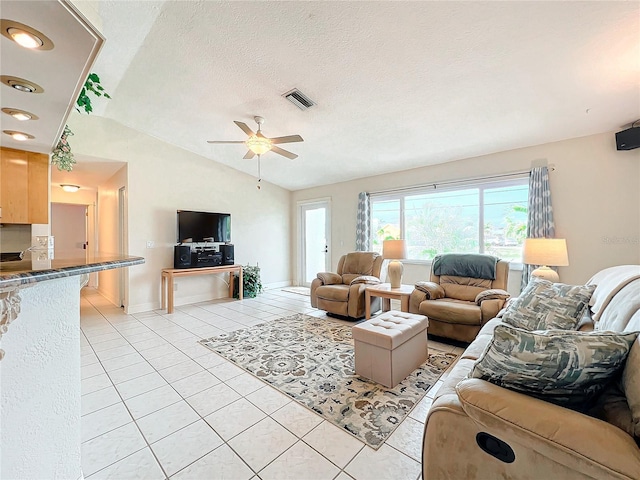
(251,284)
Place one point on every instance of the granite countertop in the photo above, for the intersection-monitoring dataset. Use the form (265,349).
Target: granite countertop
(37,267)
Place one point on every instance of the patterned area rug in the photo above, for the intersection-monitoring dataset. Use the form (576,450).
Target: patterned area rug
(311,360)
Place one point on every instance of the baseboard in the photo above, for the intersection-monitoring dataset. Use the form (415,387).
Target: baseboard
(147,307)
(203,297)
(113,299)
(270,286)
(141,308)
(177,302)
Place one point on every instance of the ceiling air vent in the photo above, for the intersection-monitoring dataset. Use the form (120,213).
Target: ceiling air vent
(299,99)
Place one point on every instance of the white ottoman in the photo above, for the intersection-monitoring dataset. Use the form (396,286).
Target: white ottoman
(391,346)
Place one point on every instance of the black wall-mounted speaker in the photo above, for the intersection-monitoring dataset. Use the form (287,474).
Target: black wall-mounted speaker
(182,256)
(227,254)
(628,139)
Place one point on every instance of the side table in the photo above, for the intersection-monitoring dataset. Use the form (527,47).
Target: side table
(387,294)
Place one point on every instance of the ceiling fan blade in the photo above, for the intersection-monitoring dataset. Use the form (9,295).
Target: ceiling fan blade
(244,128)
(249,155)
(284,153)
(287,139)
(223,141)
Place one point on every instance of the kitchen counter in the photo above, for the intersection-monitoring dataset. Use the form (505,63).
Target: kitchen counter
(32,268)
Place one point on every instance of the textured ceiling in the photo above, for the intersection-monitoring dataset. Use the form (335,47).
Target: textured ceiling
(398,85)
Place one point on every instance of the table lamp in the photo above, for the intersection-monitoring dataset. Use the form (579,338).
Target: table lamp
(394,250)
(548,252)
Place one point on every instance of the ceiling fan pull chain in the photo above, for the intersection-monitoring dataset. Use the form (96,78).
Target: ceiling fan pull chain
(259,174)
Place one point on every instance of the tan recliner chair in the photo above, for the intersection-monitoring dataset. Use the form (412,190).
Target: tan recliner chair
(342,293)
(459,305)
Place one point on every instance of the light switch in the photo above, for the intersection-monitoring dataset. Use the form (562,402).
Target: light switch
(150,243)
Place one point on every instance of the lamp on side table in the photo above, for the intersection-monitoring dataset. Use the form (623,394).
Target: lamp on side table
(394,250)
(547,252)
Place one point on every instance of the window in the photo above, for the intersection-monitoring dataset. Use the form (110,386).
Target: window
(489,218)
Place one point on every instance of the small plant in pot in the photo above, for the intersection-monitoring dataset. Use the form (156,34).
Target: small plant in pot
(251,284)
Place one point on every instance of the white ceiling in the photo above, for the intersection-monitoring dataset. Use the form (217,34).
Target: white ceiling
(398,85)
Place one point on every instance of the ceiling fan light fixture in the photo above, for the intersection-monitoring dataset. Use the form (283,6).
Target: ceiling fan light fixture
(258,144)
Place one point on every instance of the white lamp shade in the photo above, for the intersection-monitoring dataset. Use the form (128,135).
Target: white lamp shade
(394,249)
(550,252)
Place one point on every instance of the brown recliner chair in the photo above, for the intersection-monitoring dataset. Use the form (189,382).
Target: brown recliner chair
(342,293)
(464,293)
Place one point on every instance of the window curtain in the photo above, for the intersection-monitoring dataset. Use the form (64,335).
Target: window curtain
(363,222)
(539,213)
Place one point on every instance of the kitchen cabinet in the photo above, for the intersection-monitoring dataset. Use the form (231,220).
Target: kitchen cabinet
(24,187)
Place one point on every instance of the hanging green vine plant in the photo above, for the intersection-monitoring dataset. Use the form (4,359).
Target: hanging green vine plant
(62,157)
(92,85)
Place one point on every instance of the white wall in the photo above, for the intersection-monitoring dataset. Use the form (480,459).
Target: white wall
(109,231)
(162,179)
(595,194)
(68,227)
(85,196)
(40,384)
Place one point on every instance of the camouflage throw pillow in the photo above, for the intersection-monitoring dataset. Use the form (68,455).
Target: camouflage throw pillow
(544,305)
(565,367)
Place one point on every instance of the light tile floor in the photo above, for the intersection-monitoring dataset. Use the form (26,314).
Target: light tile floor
(157,405)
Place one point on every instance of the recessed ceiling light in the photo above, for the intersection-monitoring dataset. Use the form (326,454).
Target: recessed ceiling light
(70,188)
(24,39)
(21,84)
(25,36)
(20,136)
(20,115)
(23,88)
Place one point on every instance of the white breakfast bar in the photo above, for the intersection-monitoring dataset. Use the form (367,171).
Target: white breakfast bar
(40,372)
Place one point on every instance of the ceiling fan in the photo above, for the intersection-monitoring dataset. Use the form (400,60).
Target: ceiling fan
(258,144)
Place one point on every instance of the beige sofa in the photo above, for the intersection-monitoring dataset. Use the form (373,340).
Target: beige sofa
(548,441)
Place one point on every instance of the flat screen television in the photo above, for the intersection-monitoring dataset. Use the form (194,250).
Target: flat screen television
(203,227)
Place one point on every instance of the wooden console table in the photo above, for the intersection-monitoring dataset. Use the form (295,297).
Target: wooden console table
(168,274)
